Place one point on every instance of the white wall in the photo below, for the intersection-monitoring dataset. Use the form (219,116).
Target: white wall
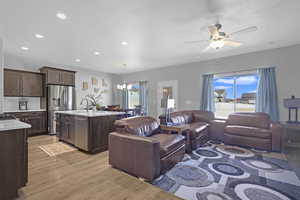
(286,60)
(11,104)
(87,76)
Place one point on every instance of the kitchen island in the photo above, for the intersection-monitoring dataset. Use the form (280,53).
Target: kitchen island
(86,130)
(13,157)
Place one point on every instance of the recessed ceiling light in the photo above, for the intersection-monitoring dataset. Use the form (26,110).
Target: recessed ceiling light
(124,43)
(61,16)
(77,60)
(39,36)
(96,53)
(24,48)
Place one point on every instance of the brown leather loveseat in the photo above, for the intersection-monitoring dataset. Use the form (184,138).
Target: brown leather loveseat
(253,130)
(140,148)
(198,123)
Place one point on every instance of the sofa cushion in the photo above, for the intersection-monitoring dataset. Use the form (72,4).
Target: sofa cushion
(140,126)
(197,128)
(169,142)
(248,131)
(259,120)
(181,117)
(202,116)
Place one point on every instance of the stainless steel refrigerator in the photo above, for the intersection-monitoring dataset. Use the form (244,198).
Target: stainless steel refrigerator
(60,98)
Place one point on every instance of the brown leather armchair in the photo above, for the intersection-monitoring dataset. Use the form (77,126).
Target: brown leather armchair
(140,148)
(198,122)
(253,130)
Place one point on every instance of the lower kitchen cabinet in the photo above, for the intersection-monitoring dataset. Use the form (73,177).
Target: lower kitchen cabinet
(37,120)
(13,162)
(86,133)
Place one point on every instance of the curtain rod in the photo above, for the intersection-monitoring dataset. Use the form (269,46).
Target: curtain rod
(244,70)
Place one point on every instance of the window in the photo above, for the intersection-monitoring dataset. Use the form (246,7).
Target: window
(235,94)
(133,95)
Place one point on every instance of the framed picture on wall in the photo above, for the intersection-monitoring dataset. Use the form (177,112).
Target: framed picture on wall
(94,81)
(85,85)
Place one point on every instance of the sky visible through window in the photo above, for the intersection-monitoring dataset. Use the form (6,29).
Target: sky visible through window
(235,94)
(245,84)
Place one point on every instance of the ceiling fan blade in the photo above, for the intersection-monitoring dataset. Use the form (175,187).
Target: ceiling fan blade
(232,43)
(195,42)
(245,30)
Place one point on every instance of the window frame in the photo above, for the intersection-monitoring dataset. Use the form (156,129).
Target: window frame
(128,91)
(234,76)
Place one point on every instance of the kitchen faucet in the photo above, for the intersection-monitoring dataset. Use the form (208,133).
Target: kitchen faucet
(87,103)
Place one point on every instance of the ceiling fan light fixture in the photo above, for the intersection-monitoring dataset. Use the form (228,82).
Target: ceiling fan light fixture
(217,44)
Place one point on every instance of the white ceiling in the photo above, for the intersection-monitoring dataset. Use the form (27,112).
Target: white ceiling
(154,29)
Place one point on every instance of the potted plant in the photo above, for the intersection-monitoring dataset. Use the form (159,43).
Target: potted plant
(96,100)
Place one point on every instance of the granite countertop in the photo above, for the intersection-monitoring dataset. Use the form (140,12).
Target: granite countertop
(90,113)
(16,111)
(12,124)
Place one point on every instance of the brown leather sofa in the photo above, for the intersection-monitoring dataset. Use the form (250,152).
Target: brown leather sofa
(253,130)
(198,122)
(140,148)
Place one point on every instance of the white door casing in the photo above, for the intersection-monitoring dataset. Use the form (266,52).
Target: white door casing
(166,84)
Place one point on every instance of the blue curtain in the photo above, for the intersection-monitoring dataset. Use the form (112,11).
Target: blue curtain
(267,98)
(144,97)
(208,97)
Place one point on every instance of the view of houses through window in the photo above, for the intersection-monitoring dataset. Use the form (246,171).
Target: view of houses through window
(235,94)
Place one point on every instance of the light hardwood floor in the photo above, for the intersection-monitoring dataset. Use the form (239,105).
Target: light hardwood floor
(79,176)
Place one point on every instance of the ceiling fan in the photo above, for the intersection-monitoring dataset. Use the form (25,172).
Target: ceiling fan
(219,39)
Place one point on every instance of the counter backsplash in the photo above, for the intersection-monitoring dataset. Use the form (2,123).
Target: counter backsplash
(12,103)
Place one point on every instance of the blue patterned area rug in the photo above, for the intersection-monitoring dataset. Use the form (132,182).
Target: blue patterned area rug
(222,172)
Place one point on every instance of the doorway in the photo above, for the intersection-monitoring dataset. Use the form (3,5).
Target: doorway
(167,89)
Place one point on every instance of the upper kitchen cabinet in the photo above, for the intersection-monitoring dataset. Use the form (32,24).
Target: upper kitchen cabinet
(58,76)
(12,83)
(68,78)
(32,84)
(22,83)
(52,76)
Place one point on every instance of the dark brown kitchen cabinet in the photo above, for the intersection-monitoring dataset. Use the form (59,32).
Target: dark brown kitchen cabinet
(37,120)
(66,129)
(22,83)
(61,127)
(81,132)
(67,78)
(12,83)
(13,162)
(52,77)
(86,133)
(59,76)
(32,85)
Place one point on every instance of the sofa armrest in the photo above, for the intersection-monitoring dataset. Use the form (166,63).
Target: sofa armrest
(139,156)
(216,129)
(277,136)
